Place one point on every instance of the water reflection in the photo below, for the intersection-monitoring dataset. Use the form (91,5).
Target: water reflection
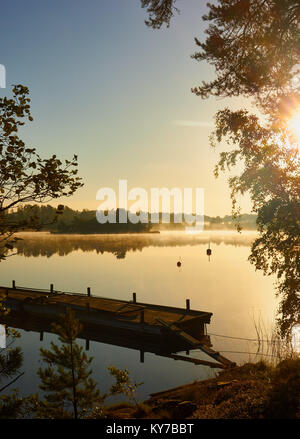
(228,286)
(46,244)
(143,342)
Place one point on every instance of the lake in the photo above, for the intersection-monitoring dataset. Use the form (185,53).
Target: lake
(115,266)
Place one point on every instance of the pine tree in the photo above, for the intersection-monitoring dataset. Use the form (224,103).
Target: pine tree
(70,392)
(123,384)
(11,360)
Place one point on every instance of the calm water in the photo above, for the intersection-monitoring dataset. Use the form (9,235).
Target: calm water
(116,266)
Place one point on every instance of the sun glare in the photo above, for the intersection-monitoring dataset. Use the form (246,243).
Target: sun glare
(294,125)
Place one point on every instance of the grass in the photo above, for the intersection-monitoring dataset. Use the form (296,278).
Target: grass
(271,344)
(253,390)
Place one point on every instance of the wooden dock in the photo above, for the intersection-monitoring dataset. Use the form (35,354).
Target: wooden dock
(163,330)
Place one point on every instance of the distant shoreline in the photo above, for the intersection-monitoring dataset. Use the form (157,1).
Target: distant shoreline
(161,232)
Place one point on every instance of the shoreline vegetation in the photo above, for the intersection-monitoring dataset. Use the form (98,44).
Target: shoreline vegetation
(254,389)
(251,391)
(84,222)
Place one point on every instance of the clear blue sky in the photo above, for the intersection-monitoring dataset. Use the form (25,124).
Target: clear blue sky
(116,93)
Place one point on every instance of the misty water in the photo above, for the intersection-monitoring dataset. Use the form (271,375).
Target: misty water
(115,266)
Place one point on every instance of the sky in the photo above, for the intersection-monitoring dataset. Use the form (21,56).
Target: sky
(116,93)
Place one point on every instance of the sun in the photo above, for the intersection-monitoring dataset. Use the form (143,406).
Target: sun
(294,124)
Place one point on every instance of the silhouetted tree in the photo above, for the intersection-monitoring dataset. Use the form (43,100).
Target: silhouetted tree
(271,175)
(254,46)
(69,389)
(11,360)
(160,12)
(70,392)
(24,175)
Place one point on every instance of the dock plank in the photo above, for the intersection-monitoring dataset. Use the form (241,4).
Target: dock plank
(152,313)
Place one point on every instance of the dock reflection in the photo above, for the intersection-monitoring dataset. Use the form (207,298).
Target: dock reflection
(144,343)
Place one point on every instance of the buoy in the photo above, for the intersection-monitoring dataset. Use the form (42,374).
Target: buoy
(208,252)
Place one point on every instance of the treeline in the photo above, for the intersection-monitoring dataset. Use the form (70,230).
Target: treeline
(85,221)
(247,222)
(72,221)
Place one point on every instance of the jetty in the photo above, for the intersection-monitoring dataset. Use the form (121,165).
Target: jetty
(162,330)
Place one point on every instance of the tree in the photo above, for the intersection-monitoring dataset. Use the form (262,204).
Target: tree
(123,384)
(69,389)
(24,175)
(160,12)
(255,48)
(11,360)
(253,45)
(271,174)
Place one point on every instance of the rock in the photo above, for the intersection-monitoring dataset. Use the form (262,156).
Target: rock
(184,409)
(177,409)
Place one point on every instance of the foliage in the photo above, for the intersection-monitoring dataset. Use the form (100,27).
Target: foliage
(11,360)
(251,391)
(11,406)
(69,389)
(3,309)
(70,392)
(284,397)
(24,175)
(254,47)
(271,175)
(160,12)
(73,221)
(123,384)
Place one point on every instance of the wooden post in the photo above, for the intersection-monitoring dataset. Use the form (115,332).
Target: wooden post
(41,335)
(134,297)
(14,284)
(188,304)
(87,345)
(51,288)
(88,291)
(142,316)
(142,356)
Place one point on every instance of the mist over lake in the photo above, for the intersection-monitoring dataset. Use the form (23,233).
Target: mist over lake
(115,266)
